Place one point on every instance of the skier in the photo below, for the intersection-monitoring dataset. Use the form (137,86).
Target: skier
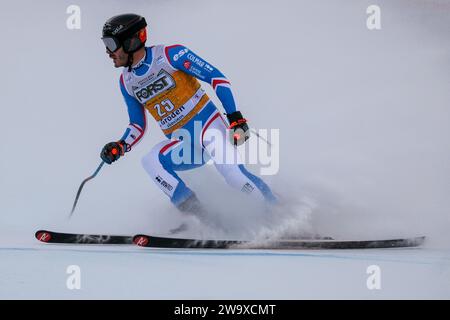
(163,80)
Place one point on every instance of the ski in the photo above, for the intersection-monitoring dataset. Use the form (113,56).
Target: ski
(166,242)
(163,242)
(77,238)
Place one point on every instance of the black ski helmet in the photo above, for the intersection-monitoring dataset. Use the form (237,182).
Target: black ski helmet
(126,31)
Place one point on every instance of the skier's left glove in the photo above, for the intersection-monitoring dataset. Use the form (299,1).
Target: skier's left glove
(113,151)
(239,128)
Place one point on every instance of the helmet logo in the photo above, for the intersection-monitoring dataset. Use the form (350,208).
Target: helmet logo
(117,29)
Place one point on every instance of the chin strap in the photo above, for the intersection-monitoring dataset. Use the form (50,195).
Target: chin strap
(130,61)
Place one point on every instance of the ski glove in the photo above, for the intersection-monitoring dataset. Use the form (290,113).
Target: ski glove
(113,151)
(238,128)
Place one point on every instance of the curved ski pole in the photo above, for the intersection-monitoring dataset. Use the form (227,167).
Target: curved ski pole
(259,137)
(82,185)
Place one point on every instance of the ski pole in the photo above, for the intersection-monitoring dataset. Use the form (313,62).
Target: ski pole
(259,137)
(82,185)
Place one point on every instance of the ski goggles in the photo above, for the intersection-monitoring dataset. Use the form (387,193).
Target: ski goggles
(112,44)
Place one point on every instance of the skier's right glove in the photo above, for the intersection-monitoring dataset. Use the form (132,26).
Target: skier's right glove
(113,151)
(238,128)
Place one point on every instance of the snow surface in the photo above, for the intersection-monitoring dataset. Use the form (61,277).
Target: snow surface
(364,150)
(136,273)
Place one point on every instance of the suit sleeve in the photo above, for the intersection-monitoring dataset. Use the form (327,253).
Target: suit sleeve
(182,58)
(136,113)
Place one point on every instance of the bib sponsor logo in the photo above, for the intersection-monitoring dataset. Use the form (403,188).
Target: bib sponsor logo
(143,81)
(173,118)
(160,84)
